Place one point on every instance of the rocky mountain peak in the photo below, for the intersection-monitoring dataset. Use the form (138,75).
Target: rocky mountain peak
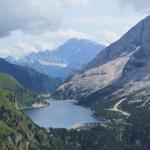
(64,60)
(128,58)
(128,43)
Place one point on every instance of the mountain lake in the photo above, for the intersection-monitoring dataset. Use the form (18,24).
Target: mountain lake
(60,114)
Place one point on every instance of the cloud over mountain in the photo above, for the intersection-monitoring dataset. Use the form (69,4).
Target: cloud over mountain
(30,15)
(35,25)
(140,6)
(33,15)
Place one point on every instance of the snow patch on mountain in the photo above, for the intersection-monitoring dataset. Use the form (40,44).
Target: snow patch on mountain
(61,62)
(48,63)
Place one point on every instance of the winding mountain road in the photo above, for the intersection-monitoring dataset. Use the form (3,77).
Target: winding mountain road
(117,109)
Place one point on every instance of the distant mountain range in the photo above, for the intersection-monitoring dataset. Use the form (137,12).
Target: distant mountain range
(121,70)
(115,85)
(61,62)
(30,78)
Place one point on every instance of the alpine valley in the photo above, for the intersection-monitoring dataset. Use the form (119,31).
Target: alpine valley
(115,85)
(122,66)
(30,78)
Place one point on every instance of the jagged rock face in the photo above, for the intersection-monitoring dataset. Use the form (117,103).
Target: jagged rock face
(138,67)
(94,79)
(133,85)
(136,74)
(111,64)
(135,37)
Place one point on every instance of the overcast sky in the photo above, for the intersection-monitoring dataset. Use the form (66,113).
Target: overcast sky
(35,25)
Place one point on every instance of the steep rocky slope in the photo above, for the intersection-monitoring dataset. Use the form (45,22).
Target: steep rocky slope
(133,86)
(108,65)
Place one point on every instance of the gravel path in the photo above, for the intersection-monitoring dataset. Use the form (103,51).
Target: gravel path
(117,109)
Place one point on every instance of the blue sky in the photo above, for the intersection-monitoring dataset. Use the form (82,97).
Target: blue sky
(35,25)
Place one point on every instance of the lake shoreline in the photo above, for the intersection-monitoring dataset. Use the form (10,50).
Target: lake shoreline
(58,114)
(34,106)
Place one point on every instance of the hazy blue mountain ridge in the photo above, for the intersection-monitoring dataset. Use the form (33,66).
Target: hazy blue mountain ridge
(61,62)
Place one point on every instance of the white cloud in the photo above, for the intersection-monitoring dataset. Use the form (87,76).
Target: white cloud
(34,25)
(142,6)
(20,43)
(109,28)
(34,16)
(76,3)
(109,20)
(107,37)
(4,52)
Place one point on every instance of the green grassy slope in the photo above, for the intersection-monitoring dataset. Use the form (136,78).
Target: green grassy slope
(30,78)
(25,97)
(16,130)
